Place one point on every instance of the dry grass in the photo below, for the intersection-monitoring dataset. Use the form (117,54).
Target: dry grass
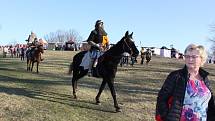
(47,96)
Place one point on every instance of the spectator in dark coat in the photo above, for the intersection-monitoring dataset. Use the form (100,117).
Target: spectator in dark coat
(186,94)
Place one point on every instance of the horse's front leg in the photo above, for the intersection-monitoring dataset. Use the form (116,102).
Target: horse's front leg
(113,93)
(32,65)
(38,66)
(74,87)
(28,65)
(100,91)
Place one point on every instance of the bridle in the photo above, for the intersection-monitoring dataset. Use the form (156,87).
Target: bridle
(127,46)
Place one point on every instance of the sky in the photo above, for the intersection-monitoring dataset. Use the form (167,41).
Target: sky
(155,23)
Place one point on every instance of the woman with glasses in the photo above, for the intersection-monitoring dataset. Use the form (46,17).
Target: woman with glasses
(186,94)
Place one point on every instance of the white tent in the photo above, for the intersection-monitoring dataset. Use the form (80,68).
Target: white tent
(165,53)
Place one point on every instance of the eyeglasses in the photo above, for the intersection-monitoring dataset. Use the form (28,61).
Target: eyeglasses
(191,56)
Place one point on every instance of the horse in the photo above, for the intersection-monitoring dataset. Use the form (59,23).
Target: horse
(34,56)
(106,67)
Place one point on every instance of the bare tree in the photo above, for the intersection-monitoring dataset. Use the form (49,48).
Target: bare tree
(63,36)
(73,36)
(60,36)
(50,37)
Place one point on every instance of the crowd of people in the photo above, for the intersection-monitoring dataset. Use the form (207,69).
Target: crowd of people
(13,51)
(21,50)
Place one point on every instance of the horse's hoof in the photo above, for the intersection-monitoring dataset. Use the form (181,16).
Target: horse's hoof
(75,97)
(118,110)
(98,102)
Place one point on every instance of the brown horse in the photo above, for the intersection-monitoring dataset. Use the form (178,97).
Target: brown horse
(34,56)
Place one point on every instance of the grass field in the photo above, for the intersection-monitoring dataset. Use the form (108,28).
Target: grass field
(47,96)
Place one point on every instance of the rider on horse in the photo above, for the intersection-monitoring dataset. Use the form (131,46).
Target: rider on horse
(99,43)
(33,43)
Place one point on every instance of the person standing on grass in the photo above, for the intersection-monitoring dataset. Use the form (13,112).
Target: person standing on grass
(22,54)
(186,94)
(142,55)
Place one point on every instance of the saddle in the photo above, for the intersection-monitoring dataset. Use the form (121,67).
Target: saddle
(85,63)
(95,70)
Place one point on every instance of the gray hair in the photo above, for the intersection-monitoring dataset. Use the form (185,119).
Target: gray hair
(200,49)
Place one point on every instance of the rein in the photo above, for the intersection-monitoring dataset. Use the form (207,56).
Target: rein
(128,47)
(124,49)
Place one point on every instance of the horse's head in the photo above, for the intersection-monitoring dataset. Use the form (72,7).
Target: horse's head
(129,45)
(40,48)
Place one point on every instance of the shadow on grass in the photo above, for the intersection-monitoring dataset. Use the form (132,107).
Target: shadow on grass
(149,69)
(4,79)
(57,63)
(126,90)
(54,97)
(122,88)
(21,70)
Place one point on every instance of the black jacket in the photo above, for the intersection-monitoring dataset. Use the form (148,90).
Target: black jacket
(97,37)
(171,96)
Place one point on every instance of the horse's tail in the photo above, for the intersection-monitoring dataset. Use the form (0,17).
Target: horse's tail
(70,68)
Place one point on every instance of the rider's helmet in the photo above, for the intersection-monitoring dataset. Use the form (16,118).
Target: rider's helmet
(99,23)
